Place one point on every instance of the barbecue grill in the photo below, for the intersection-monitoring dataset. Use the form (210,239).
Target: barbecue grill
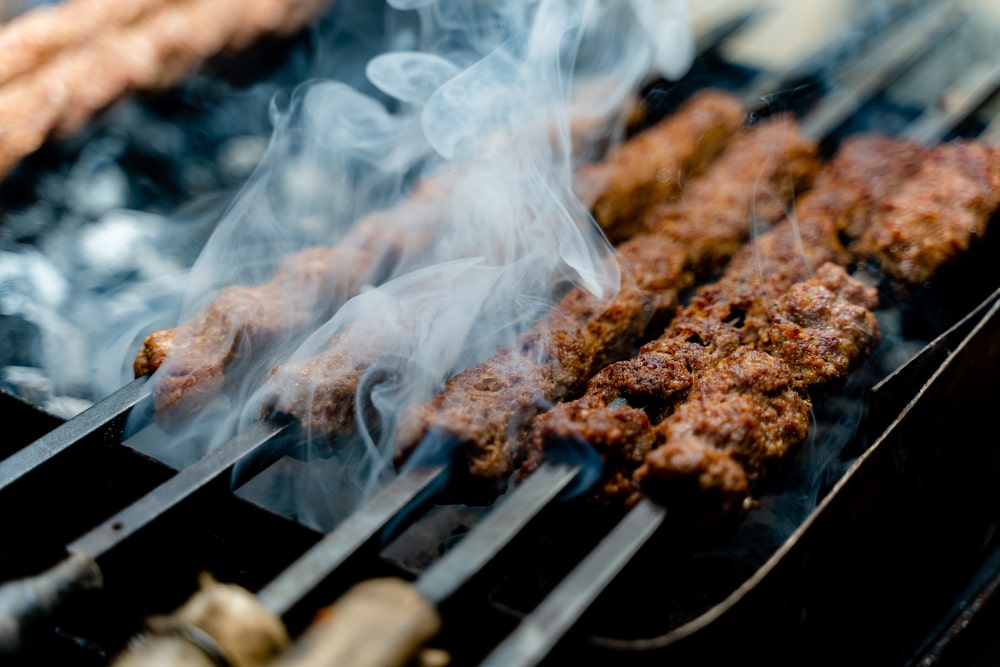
(898,563)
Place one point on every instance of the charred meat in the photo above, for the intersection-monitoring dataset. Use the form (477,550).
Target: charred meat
(485,408)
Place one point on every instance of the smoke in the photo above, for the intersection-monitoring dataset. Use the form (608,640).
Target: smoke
(486,100)
(460,122)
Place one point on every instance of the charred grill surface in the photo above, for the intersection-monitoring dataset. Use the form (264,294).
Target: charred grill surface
(486,408)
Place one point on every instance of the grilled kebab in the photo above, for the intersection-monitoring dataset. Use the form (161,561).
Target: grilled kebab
(724,391)
(61,65)
(311,285)
(486,409)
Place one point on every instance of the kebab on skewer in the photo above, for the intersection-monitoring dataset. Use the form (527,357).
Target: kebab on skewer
(34,37)
(319,391)
(805,337)
(385,621)
(309,286)
(62,65)
(835,293)
(486,408)
(925,228)
(725,389)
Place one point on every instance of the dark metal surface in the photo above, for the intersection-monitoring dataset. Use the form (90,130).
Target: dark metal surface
(105,418)
(182,486)
(493,533)
(309,571)
(545,626)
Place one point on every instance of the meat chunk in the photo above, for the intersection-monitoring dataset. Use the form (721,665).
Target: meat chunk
(817,330)
(771,160)
(200,352)
(652,167)
(61,65)
(939,213)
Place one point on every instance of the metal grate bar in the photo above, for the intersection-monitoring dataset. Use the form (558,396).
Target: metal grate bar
(495,532)
(103,415)
(539,632)
(362,526)
(765,84)
(991,134)
(160,500)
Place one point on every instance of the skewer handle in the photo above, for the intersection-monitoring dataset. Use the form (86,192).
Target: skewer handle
(221,624)
(377,623)
(28,603)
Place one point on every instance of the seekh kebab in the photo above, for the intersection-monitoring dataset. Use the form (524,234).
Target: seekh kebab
(725,389)
(64,69)
(485,409)
(309,286)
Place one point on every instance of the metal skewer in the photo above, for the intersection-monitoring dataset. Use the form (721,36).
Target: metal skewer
(183,485)
(979,83)
(360,528)
(37,599)
(108,415)
(370,630)
(543,628)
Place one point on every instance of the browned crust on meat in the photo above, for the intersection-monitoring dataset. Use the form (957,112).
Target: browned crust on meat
(154,351)
(494,437)
(938,214)
(816,331)
(192,360)
(652,166)
(752,406)
(214,334)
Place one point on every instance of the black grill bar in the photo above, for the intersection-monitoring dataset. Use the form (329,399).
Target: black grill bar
(539,632)
(359,529)
(142,513)
(493,533)
(440,581)
(106,417)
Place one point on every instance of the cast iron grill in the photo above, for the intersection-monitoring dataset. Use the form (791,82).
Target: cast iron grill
(81,490)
